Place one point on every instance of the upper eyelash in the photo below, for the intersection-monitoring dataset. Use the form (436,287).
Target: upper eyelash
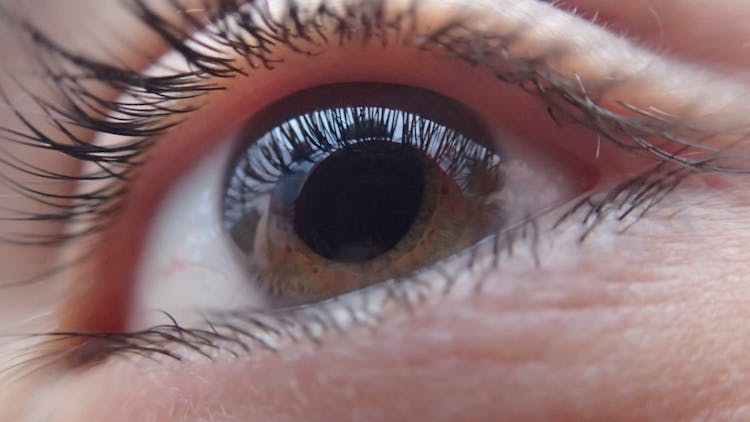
(310,134)
(154,110)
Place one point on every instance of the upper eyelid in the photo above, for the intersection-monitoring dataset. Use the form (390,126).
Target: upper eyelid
(587,77)
(633,97)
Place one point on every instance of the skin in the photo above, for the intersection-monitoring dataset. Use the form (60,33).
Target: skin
(646,325)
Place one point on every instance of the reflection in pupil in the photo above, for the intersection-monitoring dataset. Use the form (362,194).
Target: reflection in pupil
(360,201)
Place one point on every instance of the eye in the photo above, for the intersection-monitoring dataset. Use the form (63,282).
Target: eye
(332,189)
(252,190)
(343,196)
(359,184)
(220,274)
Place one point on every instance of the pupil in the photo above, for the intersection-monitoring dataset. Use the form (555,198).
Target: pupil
(360,201)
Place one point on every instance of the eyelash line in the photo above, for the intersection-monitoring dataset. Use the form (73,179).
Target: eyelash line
(325,131)
(631,199)
(142,121)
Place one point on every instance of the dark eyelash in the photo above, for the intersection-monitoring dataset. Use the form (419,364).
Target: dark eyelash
(152,109)
(311,134)
(631,199)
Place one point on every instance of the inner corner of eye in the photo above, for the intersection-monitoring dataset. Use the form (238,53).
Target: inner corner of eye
(325,192)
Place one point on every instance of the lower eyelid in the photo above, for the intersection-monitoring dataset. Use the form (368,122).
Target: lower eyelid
(516,271)
(532,322)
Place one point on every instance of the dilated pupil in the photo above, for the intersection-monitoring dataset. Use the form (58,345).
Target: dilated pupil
(360,201)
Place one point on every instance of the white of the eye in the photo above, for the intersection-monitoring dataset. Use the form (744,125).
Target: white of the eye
(187,263)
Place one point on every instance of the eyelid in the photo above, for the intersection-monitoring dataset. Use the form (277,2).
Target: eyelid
(608,81)
(600,80)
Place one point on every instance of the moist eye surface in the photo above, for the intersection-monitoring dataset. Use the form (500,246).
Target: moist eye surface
(358,184)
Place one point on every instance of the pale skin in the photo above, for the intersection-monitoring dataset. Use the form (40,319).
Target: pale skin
(646,325)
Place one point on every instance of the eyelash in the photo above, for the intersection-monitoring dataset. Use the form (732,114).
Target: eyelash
(152,113)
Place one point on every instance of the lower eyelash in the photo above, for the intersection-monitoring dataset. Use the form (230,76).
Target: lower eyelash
(152,112)
(628,201)
(248,331)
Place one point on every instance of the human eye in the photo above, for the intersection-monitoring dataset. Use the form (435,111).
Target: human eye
(249,106)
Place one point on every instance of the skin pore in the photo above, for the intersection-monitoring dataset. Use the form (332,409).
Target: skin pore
(646,324)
